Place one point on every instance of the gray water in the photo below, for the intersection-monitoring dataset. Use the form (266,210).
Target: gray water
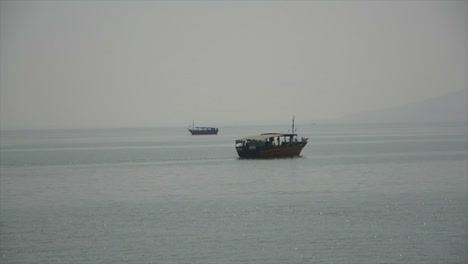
(394,193)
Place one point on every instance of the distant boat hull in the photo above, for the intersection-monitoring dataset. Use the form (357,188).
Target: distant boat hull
(204,131)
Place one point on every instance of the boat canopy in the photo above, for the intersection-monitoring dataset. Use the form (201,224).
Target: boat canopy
(265,136)
(204,128)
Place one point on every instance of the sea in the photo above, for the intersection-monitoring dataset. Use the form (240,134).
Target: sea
(359,193)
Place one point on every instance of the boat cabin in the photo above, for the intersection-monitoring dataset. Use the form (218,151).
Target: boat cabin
(269,139)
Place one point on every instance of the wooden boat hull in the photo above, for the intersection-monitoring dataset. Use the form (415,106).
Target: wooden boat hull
(270,152)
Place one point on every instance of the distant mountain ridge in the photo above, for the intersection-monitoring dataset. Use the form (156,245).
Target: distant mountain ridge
(450,107)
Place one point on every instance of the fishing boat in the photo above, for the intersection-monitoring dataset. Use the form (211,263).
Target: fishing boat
(271,145)
(202,130)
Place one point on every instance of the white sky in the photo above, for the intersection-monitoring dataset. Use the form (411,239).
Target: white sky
(83,64)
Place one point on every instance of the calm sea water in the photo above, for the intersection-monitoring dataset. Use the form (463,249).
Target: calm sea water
(392,193)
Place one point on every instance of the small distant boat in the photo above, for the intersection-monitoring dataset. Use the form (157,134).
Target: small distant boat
(271,145)
(202,130)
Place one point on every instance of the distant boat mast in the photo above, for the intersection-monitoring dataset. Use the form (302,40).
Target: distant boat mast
(292,126)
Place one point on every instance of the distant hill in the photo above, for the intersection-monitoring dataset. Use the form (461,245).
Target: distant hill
(451,107)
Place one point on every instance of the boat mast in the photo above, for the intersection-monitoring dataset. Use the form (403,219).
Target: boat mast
(193,124)
(293,126)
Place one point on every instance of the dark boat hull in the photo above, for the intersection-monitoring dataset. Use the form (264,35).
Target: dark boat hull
(271,152)
(204,132)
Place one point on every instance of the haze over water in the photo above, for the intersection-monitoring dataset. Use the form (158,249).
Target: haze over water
(393,193)
(100,64)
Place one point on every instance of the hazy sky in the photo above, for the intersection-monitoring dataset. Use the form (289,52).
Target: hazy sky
(68,64)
